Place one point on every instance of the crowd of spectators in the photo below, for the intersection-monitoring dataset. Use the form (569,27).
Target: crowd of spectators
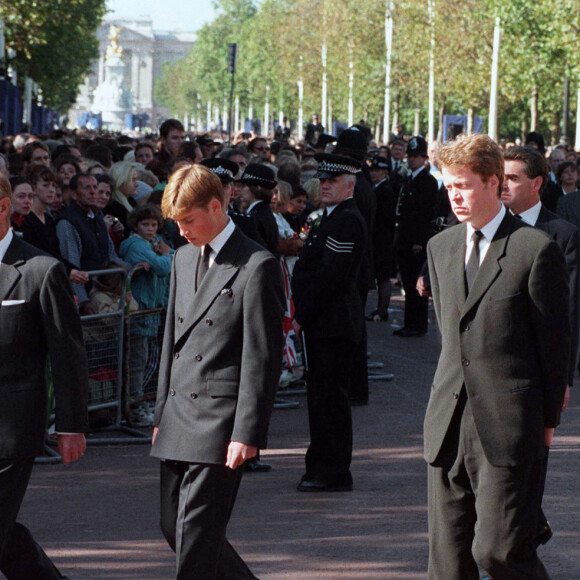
(92,201)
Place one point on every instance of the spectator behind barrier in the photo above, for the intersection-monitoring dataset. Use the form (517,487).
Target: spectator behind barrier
(146,248)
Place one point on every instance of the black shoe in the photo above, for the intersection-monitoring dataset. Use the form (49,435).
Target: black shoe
(408,332)
(315,485)
(257,466)
(544,535)
(374,316)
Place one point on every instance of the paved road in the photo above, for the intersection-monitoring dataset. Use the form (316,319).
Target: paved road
(98,519)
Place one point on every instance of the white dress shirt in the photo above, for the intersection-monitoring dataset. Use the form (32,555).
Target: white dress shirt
(488,230)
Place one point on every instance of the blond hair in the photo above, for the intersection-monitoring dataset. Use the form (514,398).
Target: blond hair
(5,189)
(284,191)
(190,187)
(479,153)
(122,174)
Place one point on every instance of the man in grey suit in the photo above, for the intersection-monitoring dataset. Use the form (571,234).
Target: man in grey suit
(500,291)
(38,317)
(219,370)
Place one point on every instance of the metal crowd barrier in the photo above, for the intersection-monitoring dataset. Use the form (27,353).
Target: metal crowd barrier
(104,334)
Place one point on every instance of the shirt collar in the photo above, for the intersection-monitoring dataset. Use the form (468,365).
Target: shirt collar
(530,216)
(220,240)
(417,171)
(253,204)
(490,228)
(331,208)
(4,243)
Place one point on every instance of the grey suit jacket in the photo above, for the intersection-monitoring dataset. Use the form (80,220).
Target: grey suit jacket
(507,342)
(38,317)
(222,352)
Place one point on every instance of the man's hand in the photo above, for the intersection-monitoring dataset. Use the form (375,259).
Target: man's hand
(154,436)
(421,290)
(548,435)
(566,398)
(238,453)
(78,276)
(71,446)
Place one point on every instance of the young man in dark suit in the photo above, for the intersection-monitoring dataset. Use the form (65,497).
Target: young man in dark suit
(38,318)
(526,174)
(218,374)
(329,309)
(500,291)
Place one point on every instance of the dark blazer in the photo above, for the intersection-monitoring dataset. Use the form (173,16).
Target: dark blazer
(324,282)
(38,317)
(384,231)
(366,202)
(221,356)
(266,223)
(567,237)
(507,343)
(568,208)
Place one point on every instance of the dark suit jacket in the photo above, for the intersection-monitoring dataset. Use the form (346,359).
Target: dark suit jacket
(324,282)
(41,320)
(366,202)
(568,208)
(222,353)
(507,343)
(567,237)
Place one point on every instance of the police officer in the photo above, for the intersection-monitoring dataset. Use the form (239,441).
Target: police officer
(414,212)
(329,311)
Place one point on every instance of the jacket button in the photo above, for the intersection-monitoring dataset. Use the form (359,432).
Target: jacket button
(176,355)
(456,395)
(467,327)
(193,395)
(172,392)
(209,321)
(466,362)
(179,319)
(198,357)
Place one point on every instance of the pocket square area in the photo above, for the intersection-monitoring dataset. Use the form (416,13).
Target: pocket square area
(12,302)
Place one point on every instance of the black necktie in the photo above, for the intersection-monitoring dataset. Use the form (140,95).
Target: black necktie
(473,262)
(202,266)
(518,217)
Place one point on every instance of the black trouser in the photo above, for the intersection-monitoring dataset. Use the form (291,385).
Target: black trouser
(416,307)
(480,513)
(196,504)
(358,385)
(21,558)
(330,451)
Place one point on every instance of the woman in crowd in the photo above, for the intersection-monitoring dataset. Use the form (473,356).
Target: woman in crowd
(39,226)
(569,203)
(22,198)
(110,208)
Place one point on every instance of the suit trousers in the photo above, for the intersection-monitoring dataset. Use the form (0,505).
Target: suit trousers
(21,558)
(196,504)
(416,307)
(480,514)
(329,454)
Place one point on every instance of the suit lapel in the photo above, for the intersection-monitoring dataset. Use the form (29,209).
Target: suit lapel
(218,276)
(491,266)
(455,266)
(9,273)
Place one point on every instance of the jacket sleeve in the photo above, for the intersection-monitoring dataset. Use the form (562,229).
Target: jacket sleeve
(549,293)
(263,310)
(68,359)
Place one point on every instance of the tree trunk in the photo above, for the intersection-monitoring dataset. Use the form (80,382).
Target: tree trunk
(395,115)
(534,110)
(566,112)
(523,127)
(441,118)
(417,123)
(555,128)
(469,128)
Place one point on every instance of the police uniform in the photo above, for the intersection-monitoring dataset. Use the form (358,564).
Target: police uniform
(414,212)
(329,308)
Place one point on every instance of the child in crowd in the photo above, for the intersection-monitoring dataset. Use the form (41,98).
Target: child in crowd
(150,289)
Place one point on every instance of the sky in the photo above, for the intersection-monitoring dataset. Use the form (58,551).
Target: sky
(183,15)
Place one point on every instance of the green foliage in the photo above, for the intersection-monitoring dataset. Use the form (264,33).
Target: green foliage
(55,43)
(280,41)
